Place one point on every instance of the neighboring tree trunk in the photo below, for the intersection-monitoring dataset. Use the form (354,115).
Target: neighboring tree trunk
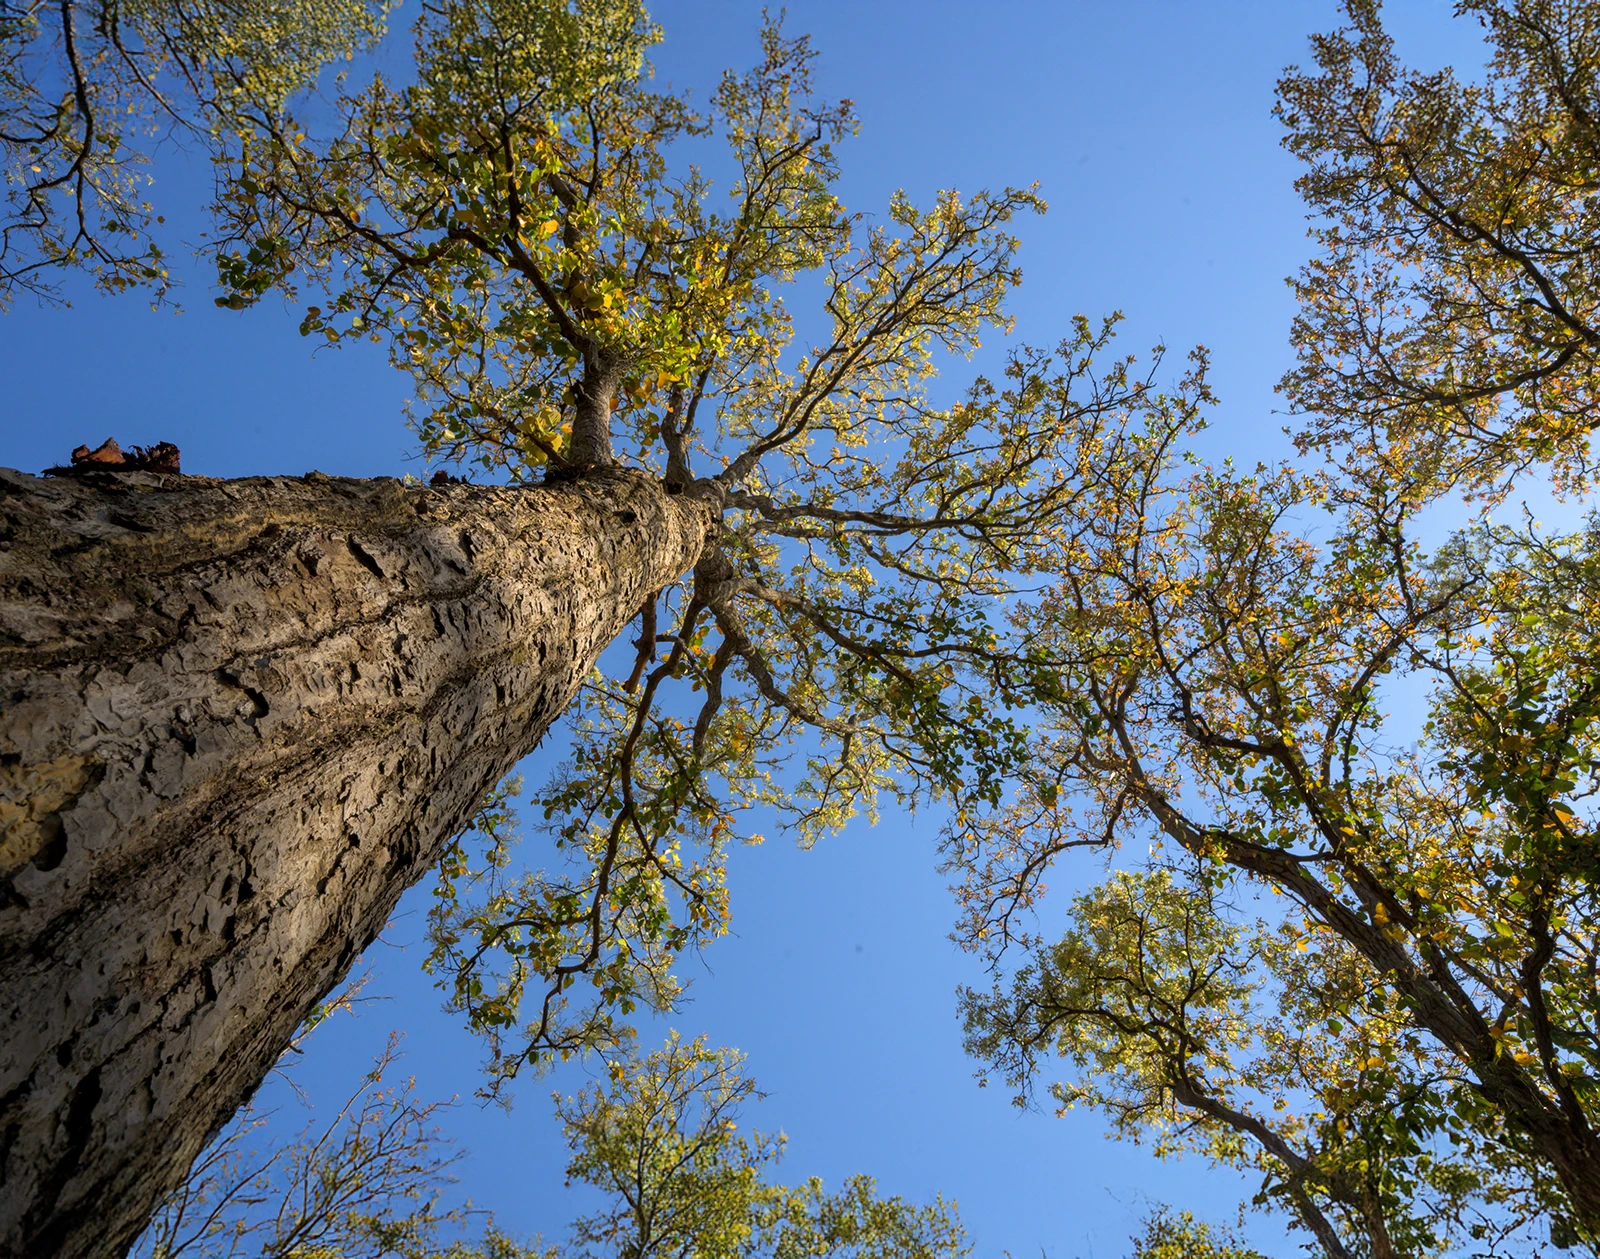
(237,720)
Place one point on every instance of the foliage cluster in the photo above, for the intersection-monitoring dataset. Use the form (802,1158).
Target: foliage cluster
(85,85)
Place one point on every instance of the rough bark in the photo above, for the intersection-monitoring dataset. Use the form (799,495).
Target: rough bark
(237,720)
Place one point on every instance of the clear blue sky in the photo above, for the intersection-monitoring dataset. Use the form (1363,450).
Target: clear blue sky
(1148,124)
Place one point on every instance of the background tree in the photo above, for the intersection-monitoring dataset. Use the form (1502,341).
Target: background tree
(659,1139)
(365,1184)
(85,88)
(1363,965)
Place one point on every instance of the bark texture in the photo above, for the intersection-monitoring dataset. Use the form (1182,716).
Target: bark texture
(237,720)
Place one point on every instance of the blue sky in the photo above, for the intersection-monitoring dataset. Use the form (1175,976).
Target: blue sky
(1149,126)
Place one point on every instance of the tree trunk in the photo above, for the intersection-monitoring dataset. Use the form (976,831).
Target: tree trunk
(237,720)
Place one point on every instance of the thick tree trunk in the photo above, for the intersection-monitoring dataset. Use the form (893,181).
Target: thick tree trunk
(237,720)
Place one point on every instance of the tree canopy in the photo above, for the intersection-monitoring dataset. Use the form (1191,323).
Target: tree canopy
(1360,958)
(1350,949)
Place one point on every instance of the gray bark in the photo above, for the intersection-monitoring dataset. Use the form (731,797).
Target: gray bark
(237,720)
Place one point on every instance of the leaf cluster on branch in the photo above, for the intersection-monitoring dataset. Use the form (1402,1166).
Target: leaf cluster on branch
(1449,326)
(86,86)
